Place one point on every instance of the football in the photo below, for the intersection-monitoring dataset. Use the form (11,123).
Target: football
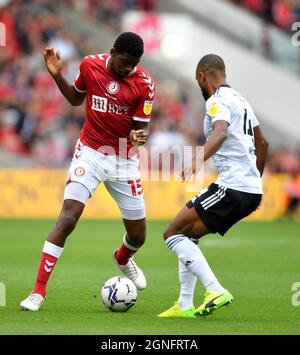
(119,294)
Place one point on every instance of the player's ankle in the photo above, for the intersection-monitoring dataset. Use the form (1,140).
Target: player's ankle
(120,258)
(40,290)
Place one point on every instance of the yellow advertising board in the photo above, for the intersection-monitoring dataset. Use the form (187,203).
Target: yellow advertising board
(36,193)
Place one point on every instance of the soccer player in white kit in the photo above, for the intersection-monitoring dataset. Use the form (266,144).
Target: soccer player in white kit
(238,147)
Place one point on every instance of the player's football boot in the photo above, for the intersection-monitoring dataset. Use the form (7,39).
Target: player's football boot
(177,312)
(212,301)
(133,272)
(32,303)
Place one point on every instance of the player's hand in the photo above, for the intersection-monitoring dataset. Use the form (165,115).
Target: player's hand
(53,61)
(138,137)
(189,171)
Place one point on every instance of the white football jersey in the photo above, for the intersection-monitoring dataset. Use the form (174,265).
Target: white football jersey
(235,161)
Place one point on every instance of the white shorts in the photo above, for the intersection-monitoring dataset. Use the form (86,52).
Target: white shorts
(120,176)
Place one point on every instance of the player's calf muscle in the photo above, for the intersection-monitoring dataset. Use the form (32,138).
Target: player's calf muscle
(63,228)
(66,223)
(136,232)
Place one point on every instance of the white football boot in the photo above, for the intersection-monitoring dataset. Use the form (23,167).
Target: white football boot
(32,303)
(133,272)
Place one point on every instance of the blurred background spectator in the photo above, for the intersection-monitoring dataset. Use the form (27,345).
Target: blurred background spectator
(283,160)
(292,197)
(281,13)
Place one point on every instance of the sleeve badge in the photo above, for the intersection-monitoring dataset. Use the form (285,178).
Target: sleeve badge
(148,107)
(213,110)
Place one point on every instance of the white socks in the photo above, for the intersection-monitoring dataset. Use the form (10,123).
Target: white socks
(194,263)
(187,286)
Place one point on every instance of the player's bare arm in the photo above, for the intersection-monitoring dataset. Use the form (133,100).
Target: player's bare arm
(139,135)
(212,145)
(54,66)
(261,149)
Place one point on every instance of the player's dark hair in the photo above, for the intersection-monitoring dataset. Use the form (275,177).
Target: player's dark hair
(130,43)
(211,63)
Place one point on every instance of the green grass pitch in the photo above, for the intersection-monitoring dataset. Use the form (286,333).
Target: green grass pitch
(257,262)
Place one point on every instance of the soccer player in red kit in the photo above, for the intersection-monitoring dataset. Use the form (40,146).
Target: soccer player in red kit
(119,96)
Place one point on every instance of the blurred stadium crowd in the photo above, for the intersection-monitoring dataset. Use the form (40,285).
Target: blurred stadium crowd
(281,13)
(110,12)
(39,127)
(36,122)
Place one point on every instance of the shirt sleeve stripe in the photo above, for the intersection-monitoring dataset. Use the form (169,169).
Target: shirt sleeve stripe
(80,91)
(221,119)
(141,119)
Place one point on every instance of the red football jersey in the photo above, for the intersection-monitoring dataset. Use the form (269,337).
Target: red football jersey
(112,104)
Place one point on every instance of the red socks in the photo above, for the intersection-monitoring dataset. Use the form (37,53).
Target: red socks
(52,252)
(45,270)
(123,254)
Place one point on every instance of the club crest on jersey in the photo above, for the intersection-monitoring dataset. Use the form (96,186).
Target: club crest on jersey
(147,107)
(79,171)
(213,110)
(113,87)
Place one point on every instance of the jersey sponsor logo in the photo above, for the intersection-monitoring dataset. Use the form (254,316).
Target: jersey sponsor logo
(80,171)
(148,107)
(213,110)
(99,103)
(102,104)
(117,109)
(113,87)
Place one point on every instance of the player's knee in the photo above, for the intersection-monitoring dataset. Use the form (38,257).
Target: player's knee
(168,233)
(172,230)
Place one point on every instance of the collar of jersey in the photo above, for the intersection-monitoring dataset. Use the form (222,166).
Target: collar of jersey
(223,86)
